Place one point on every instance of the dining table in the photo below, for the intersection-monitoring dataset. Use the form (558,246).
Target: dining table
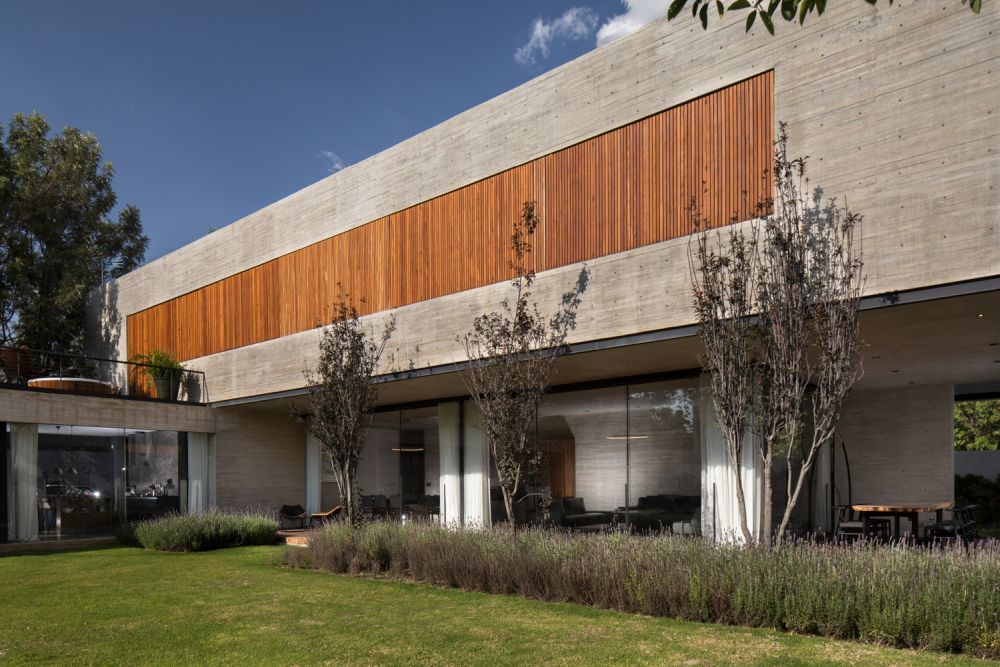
(897,511)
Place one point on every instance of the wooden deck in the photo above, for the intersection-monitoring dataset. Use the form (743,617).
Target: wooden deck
(295,537)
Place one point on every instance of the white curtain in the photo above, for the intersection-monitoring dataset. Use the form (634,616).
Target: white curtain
(198,472)
(24,449)
(720,517)
(449,436)
(477,470)
(314,473)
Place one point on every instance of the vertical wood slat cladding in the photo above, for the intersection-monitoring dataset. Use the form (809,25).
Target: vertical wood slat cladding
(617,191)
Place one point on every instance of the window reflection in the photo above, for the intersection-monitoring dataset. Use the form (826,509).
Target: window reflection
(664,457)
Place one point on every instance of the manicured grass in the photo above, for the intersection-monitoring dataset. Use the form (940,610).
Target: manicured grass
(129,606)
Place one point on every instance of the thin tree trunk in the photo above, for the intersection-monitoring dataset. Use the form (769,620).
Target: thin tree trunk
(807,465)
(765,530)
(742,506)
(508,503)
(740,499)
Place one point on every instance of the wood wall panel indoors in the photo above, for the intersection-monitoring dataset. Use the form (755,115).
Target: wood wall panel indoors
(620,190)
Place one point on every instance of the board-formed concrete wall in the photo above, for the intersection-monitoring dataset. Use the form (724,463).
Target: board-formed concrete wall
(900,442)
(893,104)
(34,407)
(260,459)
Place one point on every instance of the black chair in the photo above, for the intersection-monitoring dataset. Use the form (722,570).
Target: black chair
(961,526)
(851,526)
(293,516)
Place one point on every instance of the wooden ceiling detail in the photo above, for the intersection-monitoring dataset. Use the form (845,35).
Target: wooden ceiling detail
(620,190)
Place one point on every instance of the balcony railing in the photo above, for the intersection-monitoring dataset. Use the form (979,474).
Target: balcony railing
(55,371)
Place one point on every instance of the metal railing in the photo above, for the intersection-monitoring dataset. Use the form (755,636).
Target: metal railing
(72,373)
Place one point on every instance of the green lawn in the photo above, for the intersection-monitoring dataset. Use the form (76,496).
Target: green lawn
(128,606)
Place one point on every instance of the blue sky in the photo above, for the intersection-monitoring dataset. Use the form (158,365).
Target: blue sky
(212,110)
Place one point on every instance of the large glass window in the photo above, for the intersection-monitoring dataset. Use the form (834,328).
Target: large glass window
(81,481)
(664,452)
(584,437)
(625,456)
(398,473)
(152,473)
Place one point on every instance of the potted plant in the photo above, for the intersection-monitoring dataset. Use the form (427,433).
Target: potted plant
(164,370)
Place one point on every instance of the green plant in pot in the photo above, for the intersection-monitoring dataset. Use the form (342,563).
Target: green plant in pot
(164,370)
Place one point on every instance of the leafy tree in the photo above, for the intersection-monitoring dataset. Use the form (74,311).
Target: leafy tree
(58,239)
(977,425)
(342,396)
(786,10)
(512,353)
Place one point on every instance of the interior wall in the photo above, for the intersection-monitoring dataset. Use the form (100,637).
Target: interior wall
(900,445)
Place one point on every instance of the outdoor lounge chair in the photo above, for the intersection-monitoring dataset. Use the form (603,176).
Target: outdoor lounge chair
(321,518)
(293,516)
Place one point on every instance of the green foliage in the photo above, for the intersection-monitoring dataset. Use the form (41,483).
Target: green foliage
(58,240)
(787,10)
(977,425)
(342,396)
(160,364)
(984,494)
(203,532)
(944,599)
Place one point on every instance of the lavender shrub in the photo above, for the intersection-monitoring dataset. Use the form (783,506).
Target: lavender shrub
(945,599)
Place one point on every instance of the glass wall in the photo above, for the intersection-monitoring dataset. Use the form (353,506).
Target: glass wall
(626,456)
(66,481)
(664,457)
(584,437)
(398,473)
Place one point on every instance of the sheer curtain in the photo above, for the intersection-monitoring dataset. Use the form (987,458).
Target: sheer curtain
(24,449)
(449,436)
(477,469)
(314,474)
(720,518)
(198,472)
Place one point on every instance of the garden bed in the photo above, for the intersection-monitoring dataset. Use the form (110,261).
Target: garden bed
(945,599)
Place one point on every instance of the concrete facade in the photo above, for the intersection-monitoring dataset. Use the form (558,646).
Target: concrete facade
(42,408)
(869,92)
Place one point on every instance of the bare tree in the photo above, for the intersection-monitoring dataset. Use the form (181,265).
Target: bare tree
(783,293)
(722,276)
(779,312)
(512,359)
(836,283)
(342,396)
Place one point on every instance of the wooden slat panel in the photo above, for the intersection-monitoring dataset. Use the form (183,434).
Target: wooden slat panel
(617,191)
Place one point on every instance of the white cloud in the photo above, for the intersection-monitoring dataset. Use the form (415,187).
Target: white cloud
(637,14)
(575,23)
(333,161)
